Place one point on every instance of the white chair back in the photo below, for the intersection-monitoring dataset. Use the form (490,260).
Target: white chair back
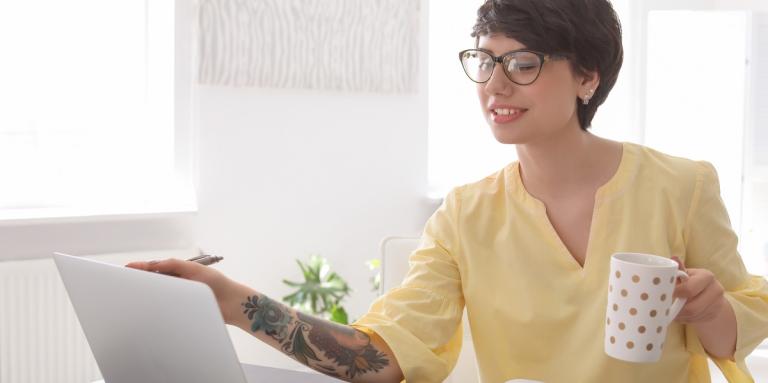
(394,260)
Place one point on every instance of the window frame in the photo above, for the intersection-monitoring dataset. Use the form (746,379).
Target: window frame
(38,233)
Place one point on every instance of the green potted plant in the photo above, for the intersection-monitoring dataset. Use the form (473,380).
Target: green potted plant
(321,292)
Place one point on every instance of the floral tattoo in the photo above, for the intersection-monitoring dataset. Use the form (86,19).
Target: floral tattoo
(266,314)
(349,352)
(345,346)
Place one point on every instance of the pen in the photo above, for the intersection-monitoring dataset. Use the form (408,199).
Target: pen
(205,259)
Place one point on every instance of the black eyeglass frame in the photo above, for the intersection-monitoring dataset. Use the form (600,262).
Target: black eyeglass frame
(543,57)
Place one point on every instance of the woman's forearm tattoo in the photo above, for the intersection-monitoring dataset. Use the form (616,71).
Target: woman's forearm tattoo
(349,351)
(267,315)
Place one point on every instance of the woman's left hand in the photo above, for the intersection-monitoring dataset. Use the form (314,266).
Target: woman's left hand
(705,295)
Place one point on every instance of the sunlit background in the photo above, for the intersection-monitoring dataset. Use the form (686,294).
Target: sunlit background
(109,144)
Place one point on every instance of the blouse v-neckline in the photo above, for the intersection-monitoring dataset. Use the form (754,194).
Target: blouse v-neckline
(606,191)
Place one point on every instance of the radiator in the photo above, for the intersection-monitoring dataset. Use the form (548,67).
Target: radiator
(40,338)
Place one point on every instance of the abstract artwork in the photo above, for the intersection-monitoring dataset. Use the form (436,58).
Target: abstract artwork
(343,45)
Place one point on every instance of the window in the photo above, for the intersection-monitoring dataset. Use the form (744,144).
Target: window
(754,219)
(671,88)
(88,124)
(705,94)
(696,91)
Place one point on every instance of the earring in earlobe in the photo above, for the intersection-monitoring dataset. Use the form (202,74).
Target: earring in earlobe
(588,96)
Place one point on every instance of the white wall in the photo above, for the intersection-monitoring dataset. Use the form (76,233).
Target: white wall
(287,173)
(284,174)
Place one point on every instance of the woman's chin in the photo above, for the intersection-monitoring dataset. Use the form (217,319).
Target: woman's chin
(505,136)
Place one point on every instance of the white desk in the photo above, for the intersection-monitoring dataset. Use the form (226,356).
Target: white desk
(259,374)
(262,374)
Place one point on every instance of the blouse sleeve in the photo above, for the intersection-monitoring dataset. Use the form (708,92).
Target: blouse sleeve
(421,319)
(711,244)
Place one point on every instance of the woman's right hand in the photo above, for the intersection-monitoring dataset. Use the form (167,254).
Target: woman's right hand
(229,294)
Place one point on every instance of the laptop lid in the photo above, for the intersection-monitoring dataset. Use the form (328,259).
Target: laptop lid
(147,327)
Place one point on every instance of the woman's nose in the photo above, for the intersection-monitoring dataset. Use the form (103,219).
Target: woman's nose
(499,83)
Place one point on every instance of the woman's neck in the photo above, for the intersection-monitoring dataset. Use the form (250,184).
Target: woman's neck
(567,163)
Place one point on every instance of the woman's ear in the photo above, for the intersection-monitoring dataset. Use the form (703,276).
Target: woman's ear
(589,82)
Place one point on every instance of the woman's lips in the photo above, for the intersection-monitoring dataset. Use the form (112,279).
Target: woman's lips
(506,115)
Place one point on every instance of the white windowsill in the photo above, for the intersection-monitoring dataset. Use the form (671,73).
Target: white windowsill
(115,202)
(18,217)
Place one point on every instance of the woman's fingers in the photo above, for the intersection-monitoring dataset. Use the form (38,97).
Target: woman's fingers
(703,306)
(703,293)
(680,264)
(140,265)
(698,280)
(167,266)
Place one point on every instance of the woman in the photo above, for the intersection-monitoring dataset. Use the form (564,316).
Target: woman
(526,250)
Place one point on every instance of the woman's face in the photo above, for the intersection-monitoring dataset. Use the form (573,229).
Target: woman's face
(544,108)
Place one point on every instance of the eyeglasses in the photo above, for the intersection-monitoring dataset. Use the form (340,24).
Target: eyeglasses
(521,66)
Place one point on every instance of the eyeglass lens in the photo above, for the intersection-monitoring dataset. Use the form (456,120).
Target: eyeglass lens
(520,67)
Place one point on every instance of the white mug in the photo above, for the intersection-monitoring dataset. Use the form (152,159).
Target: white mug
(640,305)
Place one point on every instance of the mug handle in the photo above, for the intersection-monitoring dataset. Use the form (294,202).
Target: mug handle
(678,303)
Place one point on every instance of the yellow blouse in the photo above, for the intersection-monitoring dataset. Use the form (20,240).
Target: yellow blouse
(534,312)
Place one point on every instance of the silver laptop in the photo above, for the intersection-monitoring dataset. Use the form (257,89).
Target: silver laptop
(147,327)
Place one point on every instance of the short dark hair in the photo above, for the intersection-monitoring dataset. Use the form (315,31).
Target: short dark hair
(588,32)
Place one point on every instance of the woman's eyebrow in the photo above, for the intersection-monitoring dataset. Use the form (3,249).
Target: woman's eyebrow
(493,52)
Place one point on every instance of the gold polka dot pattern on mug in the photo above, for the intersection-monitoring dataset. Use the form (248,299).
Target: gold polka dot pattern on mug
(642,330)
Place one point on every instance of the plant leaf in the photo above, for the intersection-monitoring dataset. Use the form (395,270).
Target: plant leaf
(304,270)
(292,284)
(339,315)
